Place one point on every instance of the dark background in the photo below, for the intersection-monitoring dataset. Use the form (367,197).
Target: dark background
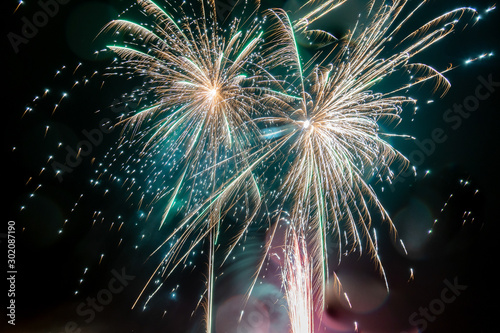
(50,264)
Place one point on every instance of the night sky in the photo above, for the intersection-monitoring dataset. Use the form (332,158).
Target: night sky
(459,149)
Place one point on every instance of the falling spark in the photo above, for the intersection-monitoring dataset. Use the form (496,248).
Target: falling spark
(18,5)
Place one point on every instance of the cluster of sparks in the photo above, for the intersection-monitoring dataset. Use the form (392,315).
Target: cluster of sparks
(237,121)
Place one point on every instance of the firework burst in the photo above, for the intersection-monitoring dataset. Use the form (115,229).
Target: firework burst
(206,89)
(220,113)
(330,141)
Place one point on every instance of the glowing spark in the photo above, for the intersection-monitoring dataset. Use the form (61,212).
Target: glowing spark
(213,93)
(18,5)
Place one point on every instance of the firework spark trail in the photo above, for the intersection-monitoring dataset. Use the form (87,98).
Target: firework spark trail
(297,284)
